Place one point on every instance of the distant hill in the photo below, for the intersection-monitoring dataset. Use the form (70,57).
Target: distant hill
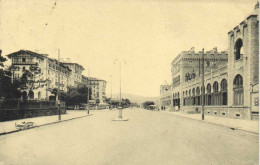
(135,98)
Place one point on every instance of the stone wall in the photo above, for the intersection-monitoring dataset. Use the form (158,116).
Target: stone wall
(225,111)
(15,114)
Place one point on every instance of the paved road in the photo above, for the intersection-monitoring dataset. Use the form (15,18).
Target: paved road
(148,138)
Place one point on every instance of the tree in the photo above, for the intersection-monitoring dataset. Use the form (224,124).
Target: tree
(76,95)
(32,79)
(148,103)
(8,89)
(126,102)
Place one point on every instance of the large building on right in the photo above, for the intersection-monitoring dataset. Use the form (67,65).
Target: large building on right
(231,77)
(243,66)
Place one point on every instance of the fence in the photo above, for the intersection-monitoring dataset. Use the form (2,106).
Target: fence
(14,109)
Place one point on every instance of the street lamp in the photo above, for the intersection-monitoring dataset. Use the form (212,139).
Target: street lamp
(120,107)
(58,91)
(203,87)
(88,82)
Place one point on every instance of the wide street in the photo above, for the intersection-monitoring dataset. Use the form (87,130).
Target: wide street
(149,137)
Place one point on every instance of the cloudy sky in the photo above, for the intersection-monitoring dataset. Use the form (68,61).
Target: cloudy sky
(146,34)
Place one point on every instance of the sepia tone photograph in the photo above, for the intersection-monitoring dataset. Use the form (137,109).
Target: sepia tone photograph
(129,82)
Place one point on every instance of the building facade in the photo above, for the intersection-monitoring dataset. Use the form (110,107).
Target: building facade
(98,88)
(46,80)
(165,95)
(231,77)
(76,73)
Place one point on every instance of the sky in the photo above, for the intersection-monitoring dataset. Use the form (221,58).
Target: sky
(145,35)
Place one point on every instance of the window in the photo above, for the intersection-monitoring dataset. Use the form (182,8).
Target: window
(238,90)
(208,63)
(215,86)
(238,49)
(23,59)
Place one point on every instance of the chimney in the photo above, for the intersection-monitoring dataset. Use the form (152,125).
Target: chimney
(67,60)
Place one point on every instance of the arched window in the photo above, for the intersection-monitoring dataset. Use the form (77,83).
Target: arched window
(193,92)
(238,90)
(178,95)
(238,49)
(208,88)
(208,64)
(198,91)
(223,85)
(24,95)
(190,92)
(39,95)
(31,94)
(224,94)
(187,77)
(193,75)
(215,87)
(208,97)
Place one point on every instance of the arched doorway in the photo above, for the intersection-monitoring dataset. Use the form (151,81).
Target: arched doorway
(238,90)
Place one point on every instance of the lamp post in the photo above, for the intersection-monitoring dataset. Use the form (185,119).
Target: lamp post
(120,116)
(111,87)
(88,91)
(203,87)
(58,91)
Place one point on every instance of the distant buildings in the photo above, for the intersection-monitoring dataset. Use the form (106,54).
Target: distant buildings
(70,75)
(231,77)
(98,88)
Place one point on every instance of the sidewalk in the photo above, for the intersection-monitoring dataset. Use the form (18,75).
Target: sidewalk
(244,125)
(9,126)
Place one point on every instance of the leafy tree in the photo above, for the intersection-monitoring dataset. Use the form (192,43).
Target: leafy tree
(76,95)
(8,89)
(32,79)
(126,102)
(148,103)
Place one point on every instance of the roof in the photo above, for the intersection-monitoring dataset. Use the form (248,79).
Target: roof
(70,63)
(95,79)
(27,52)
(56,61)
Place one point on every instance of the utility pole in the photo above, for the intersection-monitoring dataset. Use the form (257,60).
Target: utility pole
(111,87)
(120,107)
(120,99)
(58,92)
(88,89)
(203,87)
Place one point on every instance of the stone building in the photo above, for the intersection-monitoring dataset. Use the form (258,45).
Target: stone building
(231,77)
(186,79)
(243,75)
(165,95)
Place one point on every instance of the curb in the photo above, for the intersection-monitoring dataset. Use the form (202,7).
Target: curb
(238,129)
(18,130)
